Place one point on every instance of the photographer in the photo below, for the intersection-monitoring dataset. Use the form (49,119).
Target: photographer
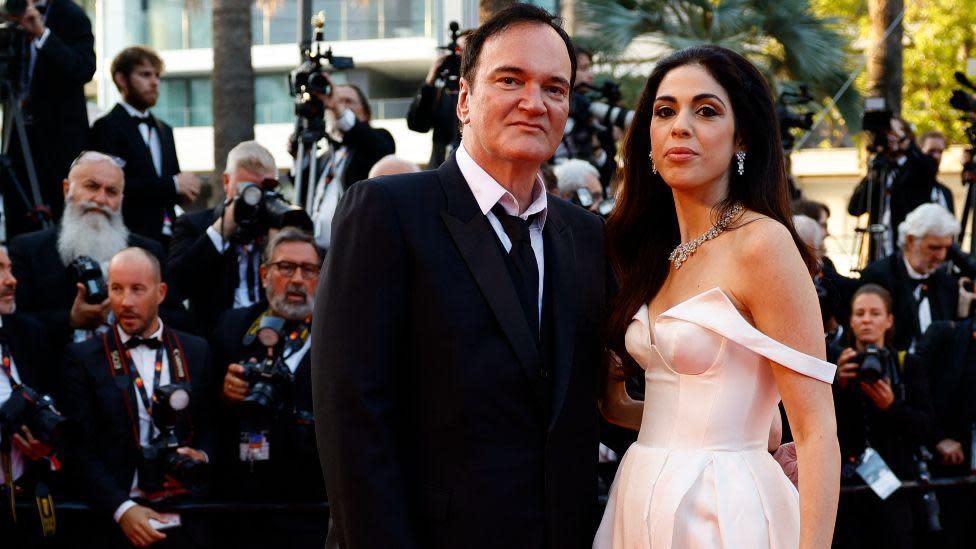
(24,343)
(154,182)
(922,290)
(933,144)
(284,465)
(355,147)
(45,261)
(213,264)
(578,181)
(58,59)
(435,105)
(909,178)
(882,402)
(150,442)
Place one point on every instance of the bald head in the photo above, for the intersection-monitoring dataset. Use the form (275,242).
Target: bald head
(135,290)
(137,260)
(90,158)
(392,165)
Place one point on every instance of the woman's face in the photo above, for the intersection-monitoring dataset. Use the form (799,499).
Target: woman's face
(693,132)
(870,319)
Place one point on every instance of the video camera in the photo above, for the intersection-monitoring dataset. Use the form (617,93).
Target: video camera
(269,377)
(876,121)
(311,75)
(171,404)
(88,273)
(36,411)
(450,70)
(789,118)
(259,207)
(872,363)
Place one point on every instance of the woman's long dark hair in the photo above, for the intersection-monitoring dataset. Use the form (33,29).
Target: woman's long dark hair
(643,228)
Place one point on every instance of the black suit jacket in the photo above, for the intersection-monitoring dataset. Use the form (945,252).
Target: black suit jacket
(33,354)
(45,287)
(435,108)
(891,274)
(294,472)
(427,416)
(365,145)
(56,107)
(105,464)
(148,195)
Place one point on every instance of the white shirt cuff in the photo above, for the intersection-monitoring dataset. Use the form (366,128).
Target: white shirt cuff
(346,121)
(40,40)
(176,184)
(218,241)
(126,505)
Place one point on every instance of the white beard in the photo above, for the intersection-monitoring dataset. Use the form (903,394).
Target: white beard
(295,312)
(91,233)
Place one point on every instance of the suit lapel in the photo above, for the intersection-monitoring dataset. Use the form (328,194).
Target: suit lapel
(134,137)
(475,240)
(561,274)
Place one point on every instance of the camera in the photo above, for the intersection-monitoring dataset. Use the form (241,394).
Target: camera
(876,121)
(603,105)
(789,119)
(872,363)
(450,70)
(259,207)
(88,272)
(583,198)
(160,459)
(269,377)
(311,75)
(36,411)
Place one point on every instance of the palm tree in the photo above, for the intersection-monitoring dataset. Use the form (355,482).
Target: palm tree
(782,37)
(885,67)
(232,80)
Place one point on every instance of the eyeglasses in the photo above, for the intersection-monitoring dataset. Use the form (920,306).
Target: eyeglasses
(287,268)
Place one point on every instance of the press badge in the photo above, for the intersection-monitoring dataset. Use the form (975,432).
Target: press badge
(877,474)
(255,447)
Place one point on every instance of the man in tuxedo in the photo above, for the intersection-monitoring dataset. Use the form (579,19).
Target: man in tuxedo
(921,290)
(213,264)
(279,461)
(456,347)
(154,184)
(113,385)
(92,226)
(55,60)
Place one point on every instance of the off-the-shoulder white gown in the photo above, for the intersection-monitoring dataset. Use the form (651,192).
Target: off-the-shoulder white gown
(699,475)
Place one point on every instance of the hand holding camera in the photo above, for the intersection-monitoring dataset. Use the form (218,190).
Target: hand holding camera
(29,447)
(85,315)
(847,367)
(236,387)
(225,224)
(28,18)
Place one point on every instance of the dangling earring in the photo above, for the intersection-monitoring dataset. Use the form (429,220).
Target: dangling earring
(741,158)
(653,167)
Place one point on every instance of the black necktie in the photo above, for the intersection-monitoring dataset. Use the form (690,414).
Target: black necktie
(135,341)
(526,268)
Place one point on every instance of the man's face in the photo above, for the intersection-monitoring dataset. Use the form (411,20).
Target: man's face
(96,187)
(346,96)
(8,284)
(141,88)
(290,279)
(584,70)
(242,175)
(934,147)
(926,254)
(515,109)
(134,292)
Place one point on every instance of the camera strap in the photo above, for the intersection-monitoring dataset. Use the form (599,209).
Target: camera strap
(5,365)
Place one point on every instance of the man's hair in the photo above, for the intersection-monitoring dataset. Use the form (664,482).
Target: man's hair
(932,134)
(927,219)
(809,230)
(516,14)
(362,99)
(580,50)
(289,234)
(128,59)
(572,174)
(154,265)
(251,156)
(94,157)
(810,208)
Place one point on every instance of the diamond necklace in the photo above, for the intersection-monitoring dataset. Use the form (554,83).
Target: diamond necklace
(684,251)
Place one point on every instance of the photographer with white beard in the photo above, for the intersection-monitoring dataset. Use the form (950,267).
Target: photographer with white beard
(91,226)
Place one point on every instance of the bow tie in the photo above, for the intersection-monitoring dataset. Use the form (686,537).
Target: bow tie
(147,120)
(135,341)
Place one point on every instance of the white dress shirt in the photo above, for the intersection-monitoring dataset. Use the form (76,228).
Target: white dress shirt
(247,255)
(924,308)
(150,135)
(488,192)
(329,187)
(6,389)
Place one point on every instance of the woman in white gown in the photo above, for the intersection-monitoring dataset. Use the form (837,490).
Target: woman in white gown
(723,327)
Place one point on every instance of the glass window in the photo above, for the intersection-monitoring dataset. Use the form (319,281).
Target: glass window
(272,102)
(178,24)
(201,102)
(172,104)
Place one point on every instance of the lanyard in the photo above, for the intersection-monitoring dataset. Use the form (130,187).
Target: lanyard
(5,364)
(140,384)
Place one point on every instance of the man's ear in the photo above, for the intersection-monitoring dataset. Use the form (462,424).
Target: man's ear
(462,104)
(163,290)
(121,82)
(65,186)
(263,273)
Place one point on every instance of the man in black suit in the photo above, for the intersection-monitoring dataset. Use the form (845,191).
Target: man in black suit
(279,461)
(456,346)
(211,263)
(435,105)
(114,386)
(154,184)
(56,60)
(92,226)
(933,144)
(355,146)
(922,291)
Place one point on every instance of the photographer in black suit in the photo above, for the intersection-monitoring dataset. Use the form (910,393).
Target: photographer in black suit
(211,262)
(280,461)
(92,226)
(921,289)
(57,59)
(154,184)
(124,388)
(24,343)
(456,346)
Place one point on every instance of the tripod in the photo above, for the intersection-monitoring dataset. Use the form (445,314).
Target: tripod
(968,171)
(308,132)
(870,242)
(13,120)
